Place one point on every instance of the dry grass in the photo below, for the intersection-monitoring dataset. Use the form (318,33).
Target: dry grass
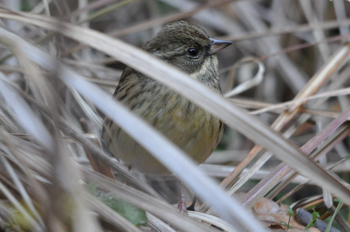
(61,60)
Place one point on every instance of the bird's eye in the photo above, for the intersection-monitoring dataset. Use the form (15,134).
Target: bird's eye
(193,52)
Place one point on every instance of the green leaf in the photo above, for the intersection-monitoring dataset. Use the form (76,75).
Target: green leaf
(283,223)
(131,213)
(315,215)
(291,211)
(333,216)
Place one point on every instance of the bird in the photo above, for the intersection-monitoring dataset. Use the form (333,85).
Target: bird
(189,48)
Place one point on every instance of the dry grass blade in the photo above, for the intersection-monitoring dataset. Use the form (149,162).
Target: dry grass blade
(323,74)
(170,18)
(295,29)
(199,94)
(106,10)
(60,193)
(322,150)
(21,189)
(7,117)
(19,207)
(123,171)
(313,85)
(156,22)
(159,225)
(145,202)
(27,164)
(254,81)
(89,111)
(339,92)
(75,133)
(249,15)
(282,170)
(56,71)
(298,187)
(27,117)
(154,142)
(219,223)
(110,215)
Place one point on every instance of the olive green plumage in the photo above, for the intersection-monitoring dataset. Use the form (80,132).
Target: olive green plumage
(197,132)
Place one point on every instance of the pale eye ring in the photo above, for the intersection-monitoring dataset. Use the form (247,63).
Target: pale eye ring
(193,52)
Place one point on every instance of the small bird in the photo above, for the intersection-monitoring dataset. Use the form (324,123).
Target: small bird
(194,130)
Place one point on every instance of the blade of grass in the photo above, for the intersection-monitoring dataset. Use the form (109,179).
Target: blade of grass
(340,204)
(143,201)
(198,93)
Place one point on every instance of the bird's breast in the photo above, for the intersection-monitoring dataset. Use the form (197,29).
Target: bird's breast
(191,128)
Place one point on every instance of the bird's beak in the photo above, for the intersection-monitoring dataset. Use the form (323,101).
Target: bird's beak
(218,45)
